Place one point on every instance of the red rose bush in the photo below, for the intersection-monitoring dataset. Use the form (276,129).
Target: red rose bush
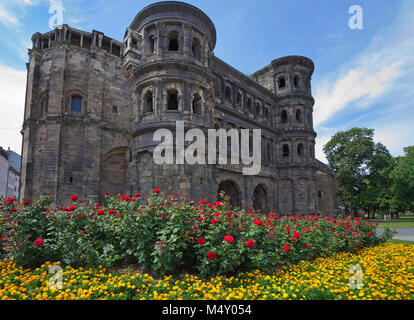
(166,234)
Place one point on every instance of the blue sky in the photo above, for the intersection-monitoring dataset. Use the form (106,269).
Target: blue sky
(363,78)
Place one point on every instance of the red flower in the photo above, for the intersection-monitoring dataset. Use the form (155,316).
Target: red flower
(39,242)
(250,243)
(286,248)
(74,197)
(211,255)
(293,239)
(138,195)
(370,233)
(200,219)
(258,222)
(157,191)
(26,202)
(201,202)
(125,197)
(229,239)
(70,208)
(100,212)
(201,241)
(217,214)
(13,210)
(111,211)
(306,246)
(214,221)
(296,235)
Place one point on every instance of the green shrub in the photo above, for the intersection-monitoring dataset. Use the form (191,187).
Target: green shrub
(167,234)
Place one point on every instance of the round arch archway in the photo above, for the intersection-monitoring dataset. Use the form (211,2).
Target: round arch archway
(260,199)
(113,171)
(230,188)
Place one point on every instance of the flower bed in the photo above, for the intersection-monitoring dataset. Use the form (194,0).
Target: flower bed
(387,273)
(168,234)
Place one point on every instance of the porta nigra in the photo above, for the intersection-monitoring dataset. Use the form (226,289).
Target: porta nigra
(93,104)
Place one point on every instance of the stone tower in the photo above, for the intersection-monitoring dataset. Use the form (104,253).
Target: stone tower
(167,59)
(93,105)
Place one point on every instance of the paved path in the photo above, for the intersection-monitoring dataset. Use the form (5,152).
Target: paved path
(403,233)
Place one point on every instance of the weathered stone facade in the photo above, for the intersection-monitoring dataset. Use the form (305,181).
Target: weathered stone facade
(93,104)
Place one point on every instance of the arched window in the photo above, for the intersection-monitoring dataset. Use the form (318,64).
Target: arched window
(76,104)
(285,151)
(197,104)
(196,48)
(249,103)
(152,44)
(299,117)
(268,151)
(284,116)
(300,150)
(172,99)
(173,44)
(227,93)
(257,110)
(266,112)
(296,81)
(281,82)
(148,102)
(239,98)
(45,104)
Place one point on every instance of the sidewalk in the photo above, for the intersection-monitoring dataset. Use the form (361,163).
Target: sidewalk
(403,233)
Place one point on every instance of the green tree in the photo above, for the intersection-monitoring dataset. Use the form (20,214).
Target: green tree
(357,162)
(403,180)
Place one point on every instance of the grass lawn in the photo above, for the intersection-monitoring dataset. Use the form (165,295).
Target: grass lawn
(403,222)
(395,241)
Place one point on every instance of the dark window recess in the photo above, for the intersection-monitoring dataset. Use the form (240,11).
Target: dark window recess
(319,194)
(197,104)
(296,81)
(227,93)
(284,116)
(173,100)
(299,116)
(115,110)
(173,41)
(70,180)
(300,149)
(149,107)
(152,44)
(76,105)
(281,82)
(285,151)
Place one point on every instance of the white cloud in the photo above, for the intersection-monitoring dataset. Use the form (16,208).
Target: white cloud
(320,143)
(360,82)
(6,17)
(12,97)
